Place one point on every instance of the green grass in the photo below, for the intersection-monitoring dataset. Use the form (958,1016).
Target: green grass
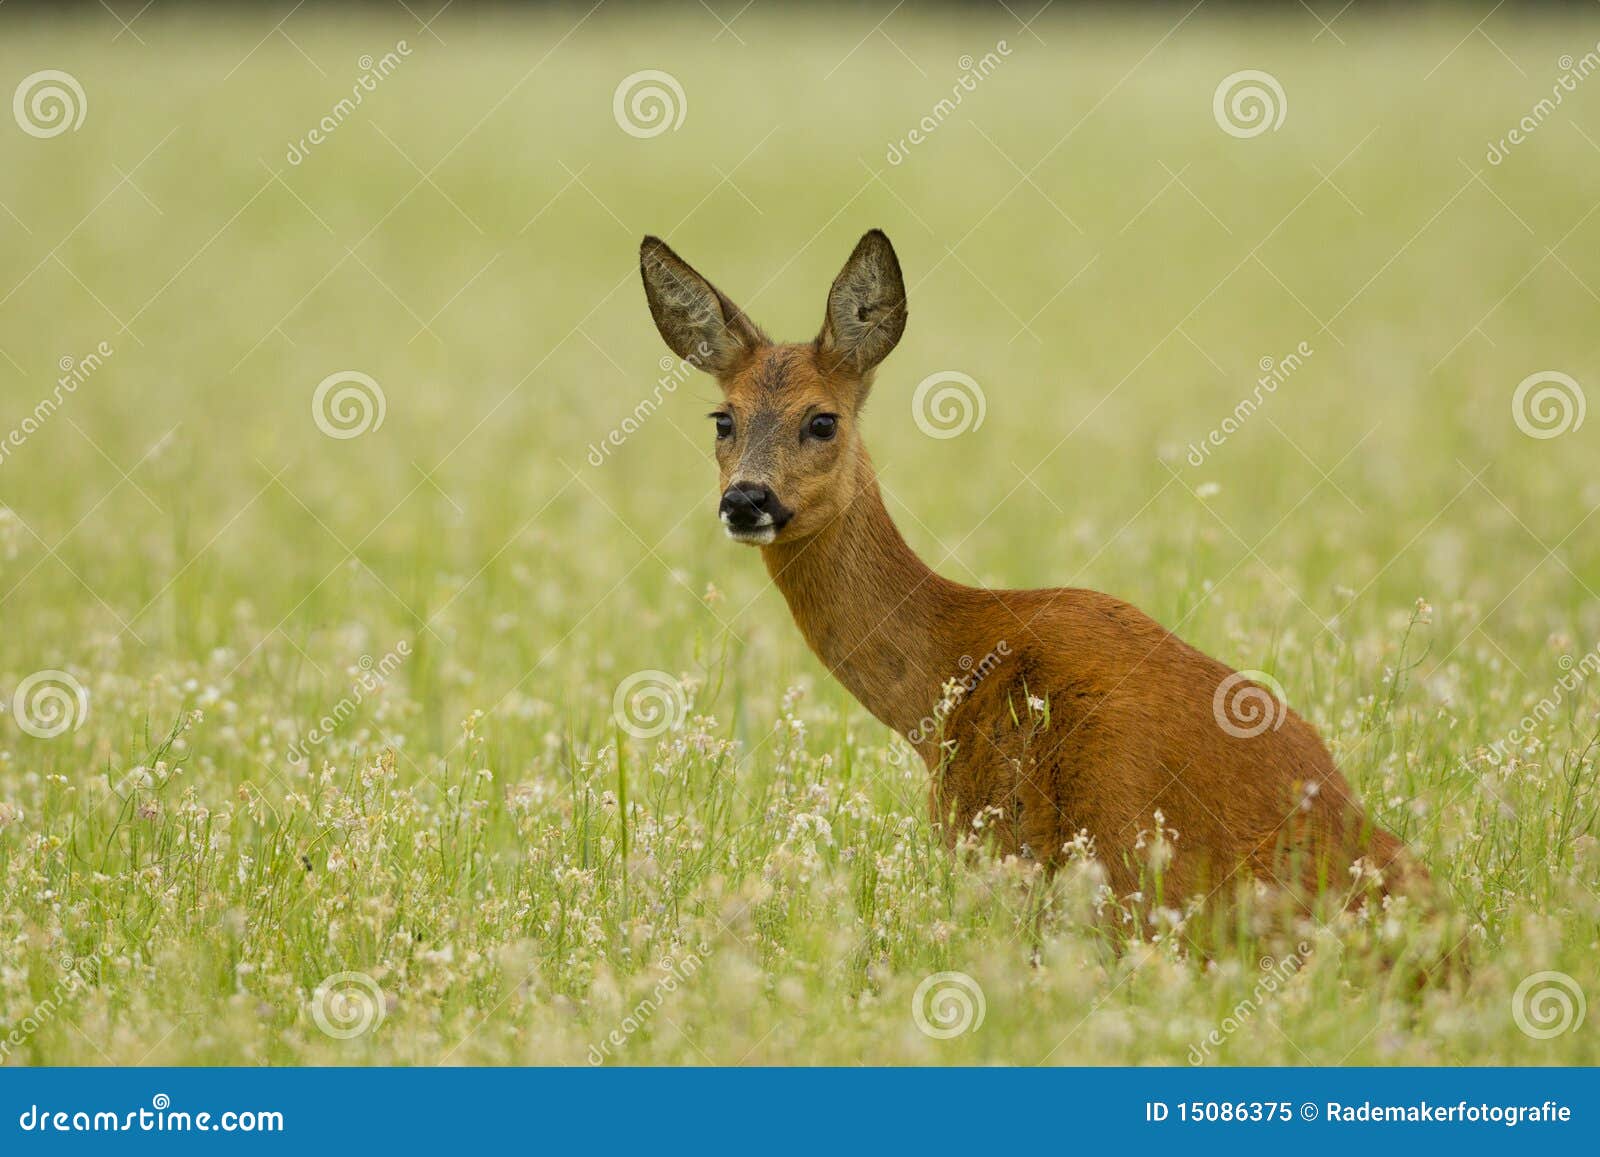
(472,837)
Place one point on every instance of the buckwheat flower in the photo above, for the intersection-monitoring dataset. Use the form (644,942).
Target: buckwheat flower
(136,778)
(9,814)
(806,823)
(1424,612)
(149,810)
(1308,794)
(1363,871)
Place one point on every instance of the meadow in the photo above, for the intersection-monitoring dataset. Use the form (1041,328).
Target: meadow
(344,482)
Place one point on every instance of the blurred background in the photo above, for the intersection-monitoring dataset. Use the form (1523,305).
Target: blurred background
(1083,239)
(1273,320)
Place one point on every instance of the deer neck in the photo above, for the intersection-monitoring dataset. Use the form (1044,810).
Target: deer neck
(869,608)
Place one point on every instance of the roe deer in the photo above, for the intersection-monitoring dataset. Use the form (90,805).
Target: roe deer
(1092,718)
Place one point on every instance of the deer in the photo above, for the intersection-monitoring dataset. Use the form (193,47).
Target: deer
(1089,720)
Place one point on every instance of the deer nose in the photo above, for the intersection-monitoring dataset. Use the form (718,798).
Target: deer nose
(746,505)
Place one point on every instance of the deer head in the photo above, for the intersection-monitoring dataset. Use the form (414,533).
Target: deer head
(787,433)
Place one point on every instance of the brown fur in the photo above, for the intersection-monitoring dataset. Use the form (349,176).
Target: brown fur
(1132,727)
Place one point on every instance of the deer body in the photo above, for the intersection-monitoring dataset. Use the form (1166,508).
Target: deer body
(1092,719)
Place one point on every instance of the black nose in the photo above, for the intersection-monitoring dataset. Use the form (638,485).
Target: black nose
(746,505)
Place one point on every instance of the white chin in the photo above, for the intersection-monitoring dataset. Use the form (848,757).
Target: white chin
(757,536)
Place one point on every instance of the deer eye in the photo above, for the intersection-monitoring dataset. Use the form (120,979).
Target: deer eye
(823,427)
(724,425)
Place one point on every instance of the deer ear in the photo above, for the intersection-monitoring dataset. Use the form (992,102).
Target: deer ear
(866,306)
(698,323)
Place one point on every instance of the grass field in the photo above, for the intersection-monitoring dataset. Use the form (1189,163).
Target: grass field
(472,861)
